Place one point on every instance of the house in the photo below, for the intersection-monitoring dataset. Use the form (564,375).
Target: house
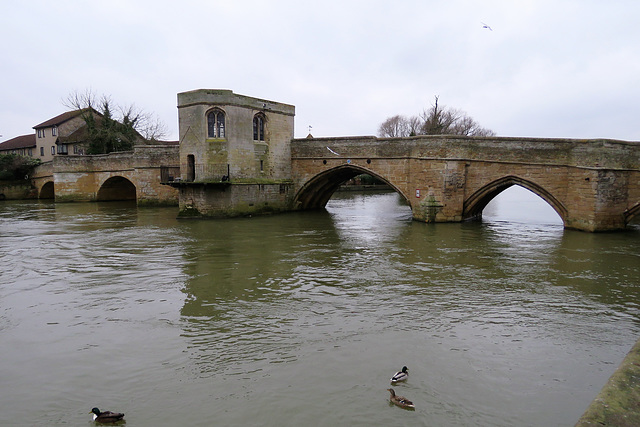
(60,135)
(24,145)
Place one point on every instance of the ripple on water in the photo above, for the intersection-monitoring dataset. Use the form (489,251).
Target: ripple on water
(502,324)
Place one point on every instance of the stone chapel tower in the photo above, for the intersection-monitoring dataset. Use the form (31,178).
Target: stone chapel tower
(235,154)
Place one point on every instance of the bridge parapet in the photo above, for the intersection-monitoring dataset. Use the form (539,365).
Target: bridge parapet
(589,153)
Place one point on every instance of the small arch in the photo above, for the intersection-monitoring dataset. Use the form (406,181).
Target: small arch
(259,121)
(474,205)
(316,192)
(216,123)
(116,188)
(47,191)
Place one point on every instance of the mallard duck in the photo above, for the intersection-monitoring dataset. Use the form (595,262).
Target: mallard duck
(400,401)
(400,376)
(106,416)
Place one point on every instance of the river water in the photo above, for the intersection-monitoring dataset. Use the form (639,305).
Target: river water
(302,318)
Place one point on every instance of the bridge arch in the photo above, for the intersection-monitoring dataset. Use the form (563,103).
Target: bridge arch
(47,191)
(475,204)
(116,188)
(316,192)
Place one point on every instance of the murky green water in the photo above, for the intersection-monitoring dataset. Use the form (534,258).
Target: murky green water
(301,319)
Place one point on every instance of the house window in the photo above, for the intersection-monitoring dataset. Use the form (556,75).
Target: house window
(30,152)
(41,151)
(53,150)
(62,149)
(258,127)
(215,124)
(39,133)
(54,130)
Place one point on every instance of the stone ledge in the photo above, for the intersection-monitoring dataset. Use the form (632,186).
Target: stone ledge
(618,403)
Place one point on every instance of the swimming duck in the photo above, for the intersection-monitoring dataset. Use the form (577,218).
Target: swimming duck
(400,376)
(400,401)
(106,416)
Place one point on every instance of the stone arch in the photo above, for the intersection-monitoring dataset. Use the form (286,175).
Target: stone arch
(47,191)
(116,188)
(316,192)
(474,205)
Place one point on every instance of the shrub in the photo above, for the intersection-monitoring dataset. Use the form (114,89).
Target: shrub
(16,167)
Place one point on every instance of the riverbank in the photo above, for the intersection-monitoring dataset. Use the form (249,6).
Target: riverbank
(618,403)
(17,190)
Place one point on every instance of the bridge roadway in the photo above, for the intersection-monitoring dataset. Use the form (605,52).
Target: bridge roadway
(594,185)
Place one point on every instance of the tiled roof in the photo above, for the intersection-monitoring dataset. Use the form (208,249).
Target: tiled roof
(23,141)
(78,135)
(58,120)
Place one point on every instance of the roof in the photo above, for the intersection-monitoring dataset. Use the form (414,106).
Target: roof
(58,120)
(78,135)
(23,141)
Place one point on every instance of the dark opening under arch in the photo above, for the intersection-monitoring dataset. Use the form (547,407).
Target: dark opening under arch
(47,191)
(117,188)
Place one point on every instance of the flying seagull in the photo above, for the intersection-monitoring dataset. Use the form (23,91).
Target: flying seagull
(486,26)
(333,151)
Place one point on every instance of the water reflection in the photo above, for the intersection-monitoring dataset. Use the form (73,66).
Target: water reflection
(509,299)
(297,318)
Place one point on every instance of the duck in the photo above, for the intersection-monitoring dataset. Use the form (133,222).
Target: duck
(400,375)
(400,401)
(106,416)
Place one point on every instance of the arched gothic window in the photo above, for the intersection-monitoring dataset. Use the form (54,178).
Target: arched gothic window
(258,127)
(215,124)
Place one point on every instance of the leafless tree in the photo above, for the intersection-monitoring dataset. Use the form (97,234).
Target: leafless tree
(436,120)
(395,126)
(147,125)
(400,126)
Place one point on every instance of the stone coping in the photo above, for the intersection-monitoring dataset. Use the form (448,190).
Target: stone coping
(618,403)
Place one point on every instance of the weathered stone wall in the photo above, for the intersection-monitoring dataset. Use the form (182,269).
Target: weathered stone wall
(236,150)
(17,190)
(79,178)
(146,177)
(590,183)
(256,172)
(227,200)
(42,175)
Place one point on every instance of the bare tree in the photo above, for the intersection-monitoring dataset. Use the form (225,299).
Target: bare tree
(400,126)
(118,132)
(434,121)
(395,126)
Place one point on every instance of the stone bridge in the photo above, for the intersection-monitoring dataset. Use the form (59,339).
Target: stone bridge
(594,185)
(132,175)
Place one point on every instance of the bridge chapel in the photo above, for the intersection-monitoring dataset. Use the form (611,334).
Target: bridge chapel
(235,154)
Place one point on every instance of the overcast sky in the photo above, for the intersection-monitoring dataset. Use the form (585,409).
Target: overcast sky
(557,68)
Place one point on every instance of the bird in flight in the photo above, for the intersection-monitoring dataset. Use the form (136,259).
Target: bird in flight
(486,26)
